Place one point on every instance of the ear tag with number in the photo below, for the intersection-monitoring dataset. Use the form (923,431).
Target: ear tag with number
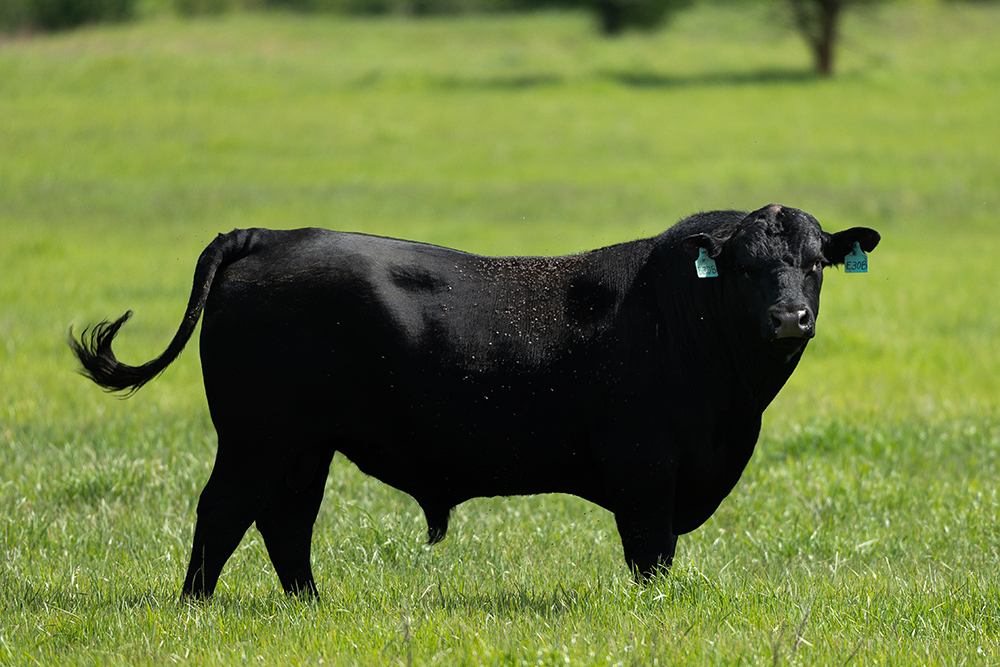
(856,260)
(705,265)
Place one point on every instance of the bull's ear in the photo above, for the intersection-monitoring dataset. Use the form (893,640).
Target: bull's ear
(694,243)
(840,244)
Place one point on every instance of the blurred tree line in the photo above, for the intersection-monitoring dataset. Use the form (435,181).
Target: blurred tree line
(613,16)
(817,21)
(34,15)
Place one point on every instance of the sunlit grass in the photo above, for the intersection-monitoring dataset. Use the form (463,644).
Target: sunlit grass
(865,528)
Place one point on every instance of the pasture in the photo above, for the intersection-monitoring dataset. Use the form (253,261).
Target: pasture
(864,530)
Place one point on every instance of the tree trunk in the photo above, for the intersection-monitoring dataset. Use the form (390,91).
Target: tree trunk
(817,21)
(611,15)
(829,13)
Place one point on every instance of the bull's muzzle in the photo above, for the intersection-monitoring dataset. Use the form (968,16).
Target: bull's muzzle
(792,323)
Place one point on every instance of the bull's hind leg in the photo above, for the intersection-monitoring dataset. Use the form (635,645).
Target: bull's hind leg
(235,493)
(224,515)
(286,521)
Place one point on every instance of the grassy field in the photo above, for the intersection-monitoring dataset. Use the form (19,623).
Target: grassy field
(865,529)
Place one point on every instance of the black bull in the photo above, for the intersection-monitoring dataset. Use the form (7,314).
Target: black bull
(617,375)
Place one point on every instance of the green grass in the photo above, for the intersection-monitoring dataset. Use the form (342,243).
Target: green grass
(865,529)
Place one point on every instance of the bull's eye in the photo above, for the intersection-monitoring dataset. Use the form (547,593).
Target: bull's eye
(817,266)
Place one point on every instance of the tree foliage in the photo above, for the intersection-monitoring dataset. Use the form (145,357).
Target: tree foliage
(616,16)
(30,15)
(613,17)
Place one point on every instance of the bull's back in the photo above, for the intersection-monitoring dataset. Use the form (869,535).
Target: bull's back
(374,297)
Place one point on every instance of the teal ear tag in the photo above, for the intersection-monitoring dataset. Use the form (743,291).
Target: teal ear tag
(705,265)
(856,260)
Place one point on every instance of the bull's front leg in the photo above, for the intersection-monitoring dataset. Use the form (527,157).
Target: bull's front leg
(642,487)
(648,541)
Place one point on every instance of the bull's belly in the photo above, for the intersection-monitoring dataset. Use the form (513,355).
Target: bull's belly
(452,468)
(691,515)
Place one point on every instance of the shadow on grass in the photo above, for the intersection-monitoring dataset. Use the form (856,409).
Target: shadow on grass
(710,79)
(21,594)
(29,597)
(626,78)
(514,82)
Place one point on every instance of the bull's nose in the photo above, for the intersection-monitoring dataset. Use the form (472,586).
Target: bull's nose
(792,324)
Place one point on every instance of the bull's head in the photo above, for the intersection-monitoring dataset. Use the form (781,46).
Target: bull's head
(775,258)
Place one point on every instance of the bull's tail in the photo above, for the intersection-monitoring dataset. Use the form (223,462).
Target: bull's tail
(94,347)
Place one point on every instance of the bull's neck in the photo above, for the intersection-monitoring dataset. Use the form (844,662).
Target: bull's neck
(702,326)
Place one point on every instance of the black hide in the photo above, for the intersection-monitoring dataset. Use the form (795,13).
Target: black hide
(617,375)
